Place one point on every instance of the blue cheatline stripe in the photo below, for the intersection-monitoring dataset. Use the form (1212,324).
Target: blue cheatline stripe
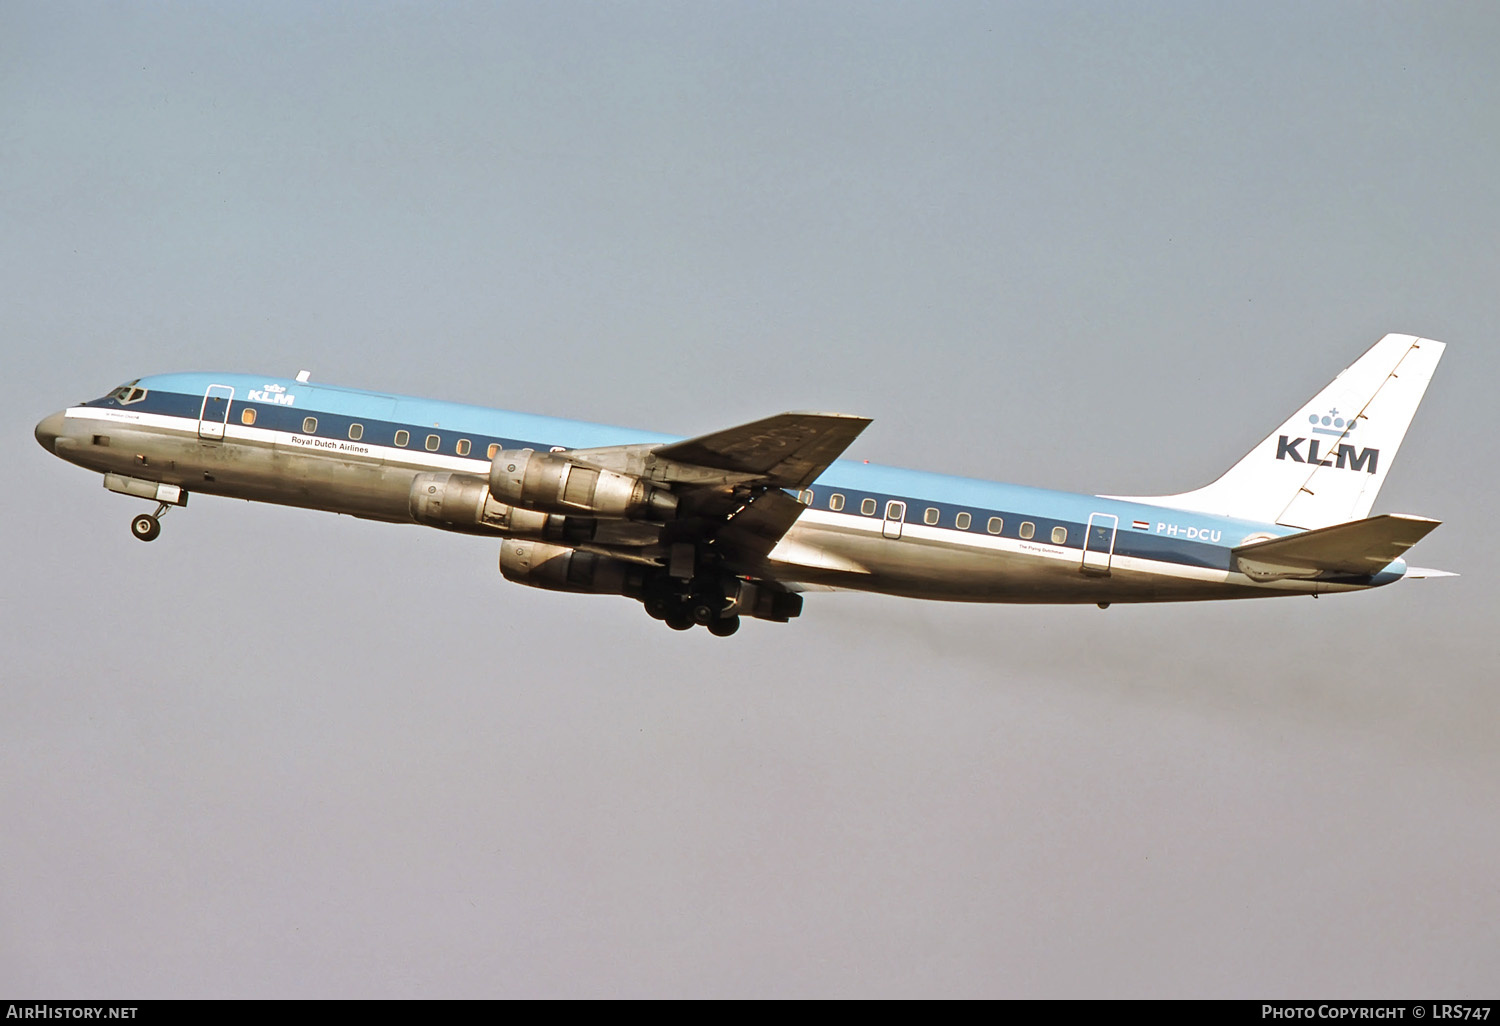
(1143,546)
(291,420)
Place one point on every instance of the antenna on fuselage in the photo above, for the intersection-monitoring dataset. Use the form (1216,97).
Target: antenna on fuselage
(302,376)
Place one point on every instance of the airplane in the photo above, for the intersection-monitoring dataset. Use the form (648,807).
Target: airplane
(740,523)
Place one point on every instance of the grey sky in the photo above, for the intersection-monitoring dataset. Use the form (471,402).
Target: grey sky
(1092,246)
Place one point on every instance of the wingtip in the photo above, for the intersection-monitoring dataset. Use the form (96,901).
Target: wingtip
(826,413)
(1416,519)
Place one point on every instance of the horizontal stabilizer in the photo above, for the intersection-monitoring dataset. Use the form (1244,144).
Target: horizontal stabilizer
(1357,548)
(1423,572)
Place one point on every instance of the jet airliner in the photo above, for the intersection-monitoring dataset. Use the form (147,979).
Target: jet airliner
(742,522)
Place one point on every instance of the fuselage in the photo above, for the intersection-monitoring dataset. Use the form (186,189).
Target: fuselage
(864,527)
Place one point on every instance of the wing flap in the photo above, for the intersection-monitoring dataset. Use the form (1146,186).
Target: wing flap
(1357,548)
(753,532)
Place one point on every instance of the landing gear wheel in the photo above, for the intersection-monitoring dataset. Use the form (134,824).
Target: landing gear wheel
(680,622)
(658,607)
(724,626)
(702,613)
(145,527)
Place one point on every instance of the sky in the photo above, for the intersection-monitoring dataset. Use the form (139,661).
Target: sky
(1090,246)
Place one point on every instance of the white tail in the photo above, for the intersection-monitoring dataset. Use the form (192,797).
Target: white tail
(1325,465)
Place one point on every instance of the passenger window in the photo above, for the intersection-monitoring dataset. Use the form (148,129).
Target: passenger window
(895,510)
(930,517)
(805,497)
(463,447)
(835,502)
(310,425)
(247,415)
(356,432)
(433,442)
(494,448)
(1028,529)
(402,437)
(1059,536)
(962,521)
(996,525)
(867,507)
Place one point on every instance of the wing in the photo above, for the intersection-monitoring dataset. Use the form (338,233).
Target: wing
(729,484)
(788,450)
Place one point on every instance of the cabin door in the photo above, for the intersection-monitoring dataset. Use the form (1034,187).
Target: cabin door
(1099,543)
(895,516)
(215,412)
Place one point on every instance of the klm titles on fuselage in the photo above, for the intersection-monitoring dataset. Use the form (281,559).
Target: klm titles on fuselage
(271,394)
(329,443)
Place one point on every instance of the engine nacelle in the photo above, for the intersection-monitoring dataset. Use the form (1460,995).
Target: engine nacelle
(554,483)
(462,502)
(539,564)
(742,598)
(779,606)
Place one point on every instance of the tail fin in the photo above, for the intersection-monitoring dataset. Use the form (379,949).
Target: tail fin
(1327,462)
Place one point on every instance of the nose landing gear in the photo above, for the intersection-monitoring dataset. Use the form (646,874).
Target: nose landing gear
(147,526)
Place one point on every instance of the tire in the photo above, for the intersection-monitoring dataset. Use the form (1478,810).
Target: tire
(724,626)
(145,527)
(680,622)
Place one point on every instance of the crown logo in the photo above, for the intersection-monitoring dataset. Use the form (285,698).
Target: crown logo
(1331,423)
(275,388)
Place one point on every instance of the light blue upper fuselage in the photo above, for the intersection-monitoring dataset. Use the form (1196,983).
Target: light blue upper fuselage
(852,475)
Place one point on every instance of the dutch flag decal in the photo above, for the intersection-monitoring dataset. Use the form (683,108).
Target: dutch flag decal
(1141,525)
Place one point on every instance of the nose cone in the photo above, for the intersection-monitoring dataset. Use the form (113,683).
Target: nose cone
(49,430)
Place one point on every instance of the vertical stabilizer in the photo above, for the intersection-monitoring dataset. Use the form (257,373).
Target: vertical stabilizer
(1326,464)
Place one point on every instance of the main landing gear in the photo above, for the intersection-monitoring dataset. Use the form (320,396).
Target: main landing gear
(147,526)
(715,599)
(702,606)
(684,614)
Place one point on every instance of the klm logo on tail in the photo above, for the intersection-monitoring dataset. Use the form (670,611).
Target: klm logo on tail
(1345,457)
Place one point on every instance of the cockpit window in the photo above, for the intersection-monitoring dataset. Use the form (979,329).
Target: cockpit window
(128,393)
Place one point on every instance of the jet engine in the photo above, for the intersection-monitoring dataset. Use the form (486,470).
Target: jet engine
(538,564)
(462,502)
(553,482)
